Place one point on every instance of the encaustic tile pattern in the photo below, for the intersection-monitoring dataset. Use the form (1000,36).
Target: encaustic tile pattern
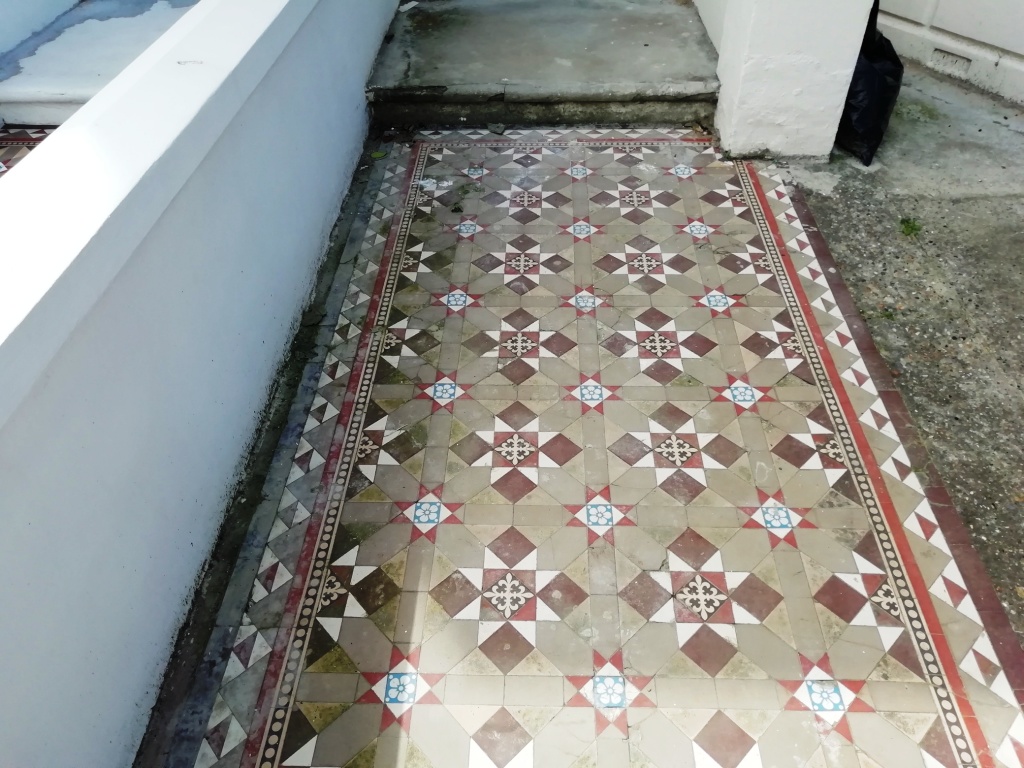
(16,143)
(597,475)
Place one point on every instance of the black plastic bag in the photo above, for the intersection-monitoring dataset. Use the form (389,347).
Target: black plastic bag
(872,97)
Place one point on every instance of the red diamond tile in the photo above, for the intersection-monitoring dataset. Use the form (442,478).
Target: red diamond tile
(560,449)
(693,548)
(511,547)
(455,593)
(513,485)
(517,371)
(724,741)
(519,319)
(629,449)
(756,597)
(792,450)
(502,738)
(618,344)
(670,416)
(517,415)
(723,450)
(653,318)
(471,448)
(558,344)
(645,595)
(506,648)
(840,598)
(698,344)
(709,650)
(682,487)
(562,595)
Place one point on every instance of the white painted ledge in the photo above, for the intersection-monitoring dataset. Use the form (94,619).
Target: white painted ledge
(61,75)
(79,205)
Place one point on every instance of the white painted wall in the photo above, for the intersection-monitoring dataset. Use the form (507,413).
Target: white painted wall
(713,14)
(985,38)
(156,253)
(785,68)
(21,18)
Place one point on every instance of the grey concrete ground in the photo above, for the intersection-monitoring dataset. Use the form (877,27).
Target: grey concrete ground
(473,62)
(555,48)
(945,306)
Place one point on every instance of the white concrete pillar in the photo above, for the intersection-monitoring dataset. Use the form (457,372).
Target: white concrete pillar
(785,68)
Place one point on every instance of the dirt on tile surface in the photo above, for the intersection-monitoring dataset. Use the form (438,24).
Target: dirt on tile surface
(930,240)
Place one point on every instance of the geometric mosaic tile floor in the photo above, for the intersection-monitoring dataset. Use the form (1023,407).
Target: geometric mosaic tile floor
(601,471)
(16,143)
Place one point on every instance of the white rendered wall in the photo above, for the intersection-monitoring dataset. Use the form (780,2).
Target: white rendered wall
(156,253)
(785,68)
(21,18)
(980,41)
(713,14)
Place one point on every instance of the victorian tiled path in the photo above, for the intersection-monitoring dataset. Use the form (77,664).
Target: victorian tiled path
(601,472)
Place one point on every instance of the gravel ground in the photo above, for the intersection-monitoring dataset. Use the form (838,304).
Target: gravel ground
(930,240)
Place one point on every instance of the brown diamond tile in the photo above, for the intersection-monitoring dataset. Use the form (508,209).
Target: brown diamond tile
(629,449)
(734,263)
(662,372)
(793,451)
(511,547)
(471,448)
(558,343)
(517,371)
(421,342)
(667,199)
(558,200)
(693,548)
(645,595)
(618,344)
(562,595)
(557,264)
(759,345)
(637,216)
(404,447)
(488,262)
(506,648)
(680,263)
(521,284)
(603,199)
(756,597)
(698,344)
(641,243)
(653,318)
(840,598)
(725,741)
(502,738)
(670,416)
(560,449)
(609,263)
(517,415)
(682,487)
(648,285)
(723,450)
(525,216)
(480,343)
(455,593)
(709,650)
(519,319)
(523,243)
(513,485)
(374,590)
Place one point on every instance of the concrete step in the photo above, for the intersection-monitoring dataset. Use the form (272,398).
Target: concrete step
(48,77)
(537,62)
